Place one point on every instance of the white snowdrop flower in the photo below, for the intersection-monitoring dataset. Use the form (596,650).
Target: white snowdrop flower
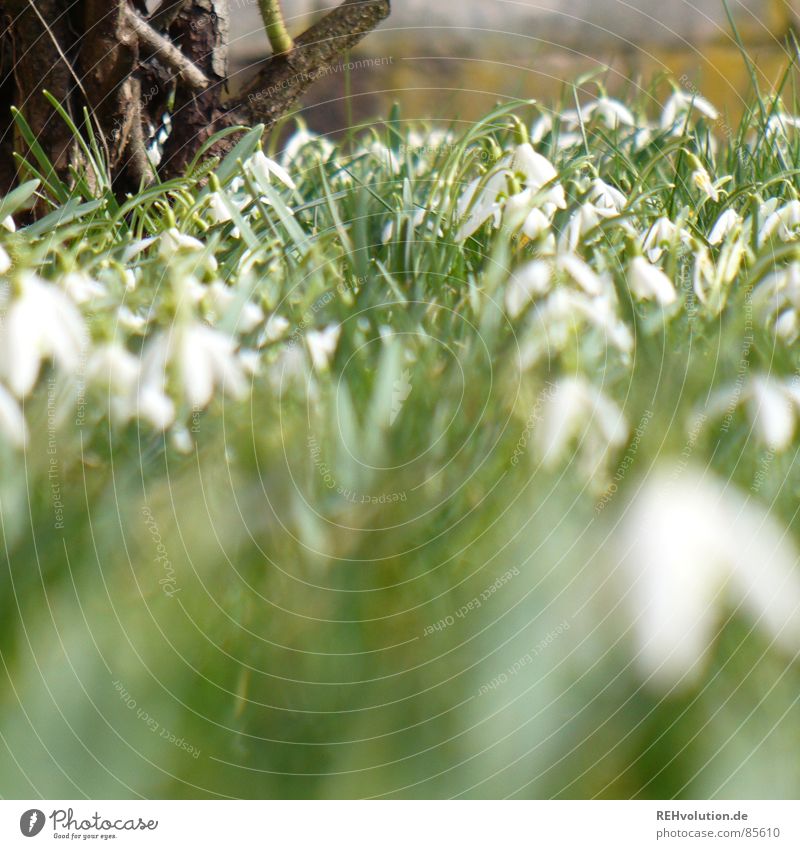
(538,171)
(705,280)
(303,142)
(250,316)
(725,224)
(81,287)
(118,372)
(661,234)
(274,330)
(680,103)
(526,283)
(585,218)
(173,241)
(779,289)
(322,345)
(536,224)
(218,211)
(730,260)
(133,249)
(202,359)
(541,127)
(576,410)
(580,272)
(702,180)
(607,200)
(5,260)
(131,321)
(8,224)
(12,422)
(222,299)
(129,279)
(563,313)
(181,439)
(784,220)
(779,124)
(251,361)
(690,549)
(771,405)
(41,323)
(611,112)
(262,169)
(787,325)
(649,282)
(479,203)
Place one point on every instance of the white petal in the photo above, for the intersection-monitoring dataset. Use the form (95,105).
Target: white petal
(12,422)
(772,413)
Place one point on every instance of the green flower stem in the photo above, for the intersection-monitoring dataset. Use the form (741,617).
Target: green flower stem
(272,16)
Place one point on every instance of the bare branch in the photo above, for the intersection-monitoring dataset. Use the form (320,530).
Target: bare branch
(166,51)
(283,78)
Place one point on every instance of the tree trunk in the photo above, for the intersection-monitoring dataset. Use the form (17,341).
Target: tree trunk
(125,68)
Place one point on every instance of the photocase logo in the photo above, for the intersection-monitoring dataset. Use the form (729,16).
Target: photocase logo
(31,822)
(400,393)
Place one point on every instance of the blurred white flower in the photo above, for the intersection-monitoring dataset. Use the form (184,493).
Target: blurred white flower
(785,220)
(702,180)
(577,411)
(222,300)
(5,260)
(585,218)
(41,323)
(579,271)
(81,287)
(262,169)
(562,315)
(662,234)
(526,283)
(218,210)
(772,405)
(705,280)
(131,321)
(200,357)
(118,372)
(726,223)
(480,202)
(274,329)
(649,282)
(779,123)
(322,345)
(689,547)
(680,104)
(12,422)
(172,241)
(304,142)
(610,111)
(607,200)
(537,172)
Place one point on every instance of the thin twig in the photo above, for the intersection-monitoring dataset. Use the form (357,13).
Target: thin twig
(166,51)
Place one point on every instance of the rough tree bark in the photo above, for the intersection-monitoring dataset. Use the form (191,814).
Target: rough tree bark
(127,68)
